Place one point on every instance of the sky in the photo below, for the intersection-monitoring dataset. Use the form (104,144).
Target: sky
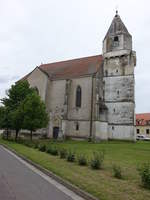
(44,31)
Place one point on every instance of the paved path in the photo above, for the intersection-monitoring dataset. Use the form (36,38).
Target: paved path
(21,181)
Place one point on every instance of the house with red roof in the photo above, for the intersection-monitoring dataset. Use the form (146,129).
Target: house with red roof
(143,124)
(91,97)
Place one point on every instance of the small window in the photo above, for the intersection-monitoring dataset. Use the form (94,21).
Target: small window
(106,73)
(114,110)
(138,131)
(118,92)
(147,131)
(116,70)
(103,94)
(116,39)
(113,127)
(77,126)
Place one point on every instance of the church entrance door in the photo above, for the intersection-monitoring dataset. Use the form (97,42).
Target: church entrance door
(55,132)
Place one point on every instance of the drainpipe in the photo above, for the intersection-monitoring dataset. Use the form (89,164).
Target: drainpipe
(91,117)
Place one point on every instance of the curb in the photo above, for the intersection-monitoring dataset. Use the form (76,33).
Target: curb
(65,183)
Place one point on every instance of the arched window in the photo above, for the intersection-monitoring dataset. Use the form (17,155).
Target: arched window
(36,89)
(78,97)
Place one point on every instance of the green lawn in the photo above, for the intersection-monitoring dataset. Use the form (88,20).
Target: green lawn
(100,183)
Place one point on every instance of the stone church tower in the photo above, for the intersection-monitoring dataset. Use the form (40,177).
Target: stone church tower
(118,69)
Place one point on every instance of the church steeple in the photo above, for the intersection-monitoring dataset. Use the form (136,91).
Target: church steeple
(117,37)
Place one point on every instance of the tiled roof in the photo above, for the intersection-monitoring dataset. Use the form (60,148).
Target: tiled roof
(73,68)
(143,119)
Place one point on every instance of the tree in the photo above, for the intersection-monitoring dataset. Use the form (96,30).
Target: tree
(16,117)
(35,115)
(15,96)
(5,119)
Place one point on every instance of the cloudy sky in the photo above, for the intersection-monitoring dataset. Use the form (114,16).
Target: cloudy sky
(42,31)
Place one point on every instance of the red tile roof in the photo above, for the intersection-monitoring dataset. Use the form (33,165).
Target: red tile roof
(71,68)
(143,119)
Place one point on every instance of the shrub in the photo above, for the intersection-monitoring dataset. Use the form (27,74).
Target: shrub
(49,149)
(70,156)
(117,172)
(63,153)
(82,160)
(42,147)
(54,151)
(144,172)
(97,160)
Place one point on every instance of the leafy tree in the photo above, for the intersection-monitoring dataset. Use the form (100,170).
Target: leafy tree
(5,119)
(35,115)
(16,117)
(15,96)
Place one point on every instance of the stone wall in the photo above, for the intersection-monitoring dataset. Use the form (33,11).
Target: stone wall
(119,94)
(38,79)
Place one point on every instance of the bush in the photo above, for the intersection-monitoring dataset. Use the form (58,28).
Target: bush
(70,156)
(49,149)
(54,151)
(82,160)
(63,153)
(97,160)
(42,147)
(144,172)
(117,172)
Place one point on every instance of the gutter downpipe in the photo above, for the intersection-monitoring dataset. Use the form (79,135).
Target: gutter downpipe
(91,117)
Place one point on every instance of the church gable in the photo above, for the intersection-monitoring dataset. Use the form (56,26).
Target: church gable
(37,79)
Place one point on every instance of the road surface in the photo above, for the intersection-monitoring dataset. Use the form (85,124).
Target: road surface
(21,181)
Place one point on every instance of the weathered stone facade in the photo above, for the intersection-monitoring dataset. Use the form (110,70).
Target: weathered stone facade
(106,90)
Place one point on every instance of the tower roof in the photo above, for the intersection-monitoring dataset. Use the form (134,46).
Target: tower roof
(117,27)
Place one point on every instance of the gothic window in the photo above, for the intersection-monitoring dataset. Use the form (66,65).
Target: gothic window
(78,97)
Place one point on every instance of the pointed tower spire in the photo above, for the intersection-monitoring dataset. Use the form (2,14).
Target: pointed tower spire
(117,36)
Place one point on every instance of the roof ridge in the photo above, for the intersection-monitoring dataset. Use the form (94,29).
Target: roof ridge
(74,59)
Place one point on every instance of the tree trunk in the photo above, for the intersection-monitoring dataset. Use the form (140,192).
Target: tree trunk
(16,138)
(7,133)
(31,135)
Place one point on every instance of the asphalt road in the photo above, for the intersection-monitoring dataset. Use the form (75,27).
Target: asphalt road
(20,182)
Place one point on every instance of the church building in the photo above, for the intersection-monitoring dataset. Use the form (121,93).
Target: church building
(91,97)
